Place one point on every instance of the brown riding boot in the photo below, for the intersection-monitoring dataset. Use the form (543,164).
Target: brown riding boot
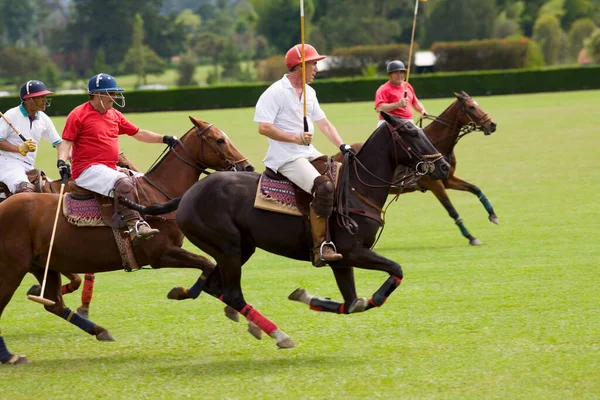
(323,252)
(138,228)
(25,187)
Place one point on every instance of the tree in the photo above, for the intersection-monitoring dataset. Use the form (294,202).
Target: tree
(187,68)
(230,61)
(547,33)
(461,20)
(580,30)
(592,46)
(20,64)
(17,21)
(100,61)
(574,10)
(137,49)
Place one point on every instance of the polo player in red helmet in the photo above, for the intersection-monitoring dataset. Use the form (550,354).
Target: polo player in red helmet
(279,113)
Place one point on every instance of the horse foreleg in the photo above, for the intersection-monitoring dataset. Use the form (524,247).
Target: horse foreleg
(440,192)
(344,277)
(86,295)
(367,259)
(73,285)
(456,183)
(59,309)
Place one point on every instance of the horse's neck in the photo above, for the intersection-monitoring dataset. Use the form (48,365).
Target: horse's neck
(443,131)
(172,176)
(376,157)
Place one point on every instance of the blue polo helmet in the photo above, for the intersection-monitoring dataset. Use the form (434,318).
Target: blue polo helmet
(103,83)
(33,89)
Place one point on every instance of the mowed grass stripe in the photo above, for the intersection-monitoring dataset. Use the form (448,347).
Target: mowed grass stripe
(515,318)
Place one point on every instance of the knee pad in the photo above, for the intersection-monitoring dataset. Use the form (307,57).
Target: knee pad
(323,192)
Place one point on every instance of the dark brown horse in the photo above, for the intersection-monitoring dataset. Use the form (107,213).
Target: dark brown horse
(217,215)
(27,220)
(462,117)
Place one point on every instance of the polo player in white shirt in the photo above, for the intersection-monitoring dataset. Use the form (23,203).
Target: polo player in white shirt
(17,157)
(279,113)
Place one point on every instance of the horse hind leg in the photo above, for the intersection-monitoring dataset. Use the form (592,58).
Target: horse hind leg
(59,309)
(8,286)
(456,183)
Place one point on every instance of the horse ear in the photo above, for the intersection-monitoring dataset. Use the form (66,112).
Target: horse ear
(386,116)
(458,96)
(195,121)
(465,94)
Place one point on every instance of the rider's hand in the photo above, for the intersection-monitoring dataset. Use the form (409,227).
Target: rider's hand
(305,138)
(403,103)
(170,140)
(64,170)
(26,147)
(423,113)
(346,148)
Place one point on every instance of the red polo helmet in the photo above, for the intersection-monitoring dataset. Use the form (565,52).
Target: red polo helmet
(294,55)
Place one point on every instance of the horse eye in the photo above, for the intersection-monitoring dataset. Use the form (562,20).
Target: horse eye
(220,141)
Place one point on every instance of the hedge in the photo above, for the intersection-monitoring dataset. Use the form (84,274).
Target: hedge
(347,90)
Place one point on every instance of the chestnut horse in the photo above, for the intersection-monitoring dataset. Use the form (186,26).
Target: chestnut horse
(218,216)
(27,220)
(462,117)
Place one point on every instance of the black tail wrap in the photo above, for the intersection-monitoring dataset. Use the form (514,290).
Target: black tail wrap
(155,209)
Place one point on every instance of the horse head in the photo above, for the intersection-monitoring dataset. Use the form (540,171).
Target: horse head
(419,153)
(472,115)
(214,149)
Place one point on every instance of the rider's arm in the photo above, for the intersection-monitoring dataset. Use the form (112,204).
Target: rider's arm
(273,132)
(387,107)
(5,146)
(64,150)
(330,131)
(146,136)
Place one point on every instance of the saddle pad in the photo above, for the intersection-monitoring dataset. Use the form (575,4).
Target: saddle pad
(82,213)
(280,195)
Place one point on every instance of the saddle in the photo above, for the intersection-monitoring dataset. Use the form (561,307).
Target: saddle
(83,208)
(278,194)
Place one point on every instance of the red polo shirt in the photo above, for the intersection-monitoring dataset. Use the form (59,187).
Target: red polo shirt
(390,93)
(95,137)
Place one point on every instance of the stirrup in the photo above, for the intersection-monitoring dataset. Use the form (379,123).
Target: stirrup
(135,229)
(325,243)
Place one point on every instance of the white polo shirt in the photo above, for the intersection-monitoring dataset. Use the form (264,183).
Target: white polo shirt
(40,128)
(279,105)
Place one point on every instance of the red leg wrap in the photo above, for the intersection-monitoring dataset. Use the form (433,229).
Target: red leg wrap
(88,289)
(257,318)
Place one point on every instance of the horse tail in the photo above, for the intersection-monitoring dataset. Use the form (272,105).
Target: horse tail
(154,209)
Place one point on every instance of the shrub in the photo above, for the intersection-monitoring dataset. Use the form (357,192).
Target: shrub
(271,69)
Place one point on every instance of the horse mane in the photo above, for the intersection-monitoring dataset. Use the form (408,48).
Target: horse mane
(162,157)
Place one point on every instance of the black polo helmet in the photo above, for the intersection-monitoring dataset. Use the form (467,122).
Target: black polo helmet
(395,66)
(33,89)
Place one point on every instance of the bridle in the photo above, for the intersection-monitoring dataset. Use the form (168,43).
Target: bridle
(465,129)
(189,158)
(425,165)
(194,163)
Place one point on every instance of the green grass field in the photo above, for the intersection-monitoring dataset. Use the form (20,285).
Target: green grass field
(515,318)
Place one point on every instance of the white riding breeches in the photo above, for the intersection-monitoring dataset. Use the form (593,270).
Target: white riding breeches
(13,172)
(99,179)
(301,172)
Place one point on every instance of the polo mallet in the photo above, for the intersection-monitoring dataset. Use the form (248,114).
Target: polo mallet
(412,37)
(303,63)
(12,127)
(40,298)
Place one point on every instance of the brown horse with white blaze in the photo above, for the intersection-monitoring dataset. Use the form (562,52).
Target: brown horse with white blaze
(27,222)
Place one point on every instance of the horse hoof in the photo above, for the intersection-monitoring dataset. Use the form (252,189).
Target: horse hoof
(494,219)
(358,305)
(18,359)
(475,242)
(105,336)
(254,330)
(35,290)
(300,295)
(84,312)
(178,293)
(286,343)
(232,314)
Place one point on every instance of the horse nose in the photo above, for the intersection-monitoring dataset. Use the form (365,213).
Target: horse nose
(493,126)
(249,168)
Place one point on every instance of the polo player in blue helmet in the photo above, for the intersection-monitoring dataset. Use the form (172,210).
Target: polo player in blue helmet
(92,130)
(28,120)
